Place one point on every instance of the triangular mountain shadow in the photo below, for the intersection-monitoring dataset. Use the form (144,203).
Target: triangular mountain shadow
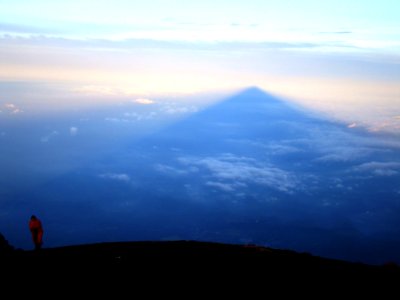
(251,102)
(250,114)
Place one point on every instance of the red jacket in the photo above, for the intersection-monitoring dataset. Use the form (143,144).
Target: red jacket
(35,224)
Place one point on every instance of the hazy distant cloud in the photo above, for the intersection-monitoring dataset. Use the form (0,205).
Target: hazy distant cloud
(12,108)
(116,176)
(272,148)
(281,149)
(117,120)
(159,42)
(129,117)
(240,171)
(48,137)
(340,184)
(324,143)
(73,130)
(17,28)
(97,90)
(380,168)
(170,170)
(159,111)
(134,116)
(336,32)
(143,101)
(176,109)
(344,154)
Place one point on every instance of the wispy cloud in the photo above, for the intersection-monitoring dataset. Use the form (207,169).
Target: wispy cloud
(281,149)
(48,137)
(116,176)
(344,153)
(16,28)
(335,32)
(171,170)
(226,187)
(173,108)
(131,117)
(140,116)
(157,41)
(116,120)
(205,38)
(379,168)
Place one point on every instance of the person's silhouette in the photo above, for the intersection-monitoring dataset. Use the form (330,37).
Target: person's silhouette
(36,229)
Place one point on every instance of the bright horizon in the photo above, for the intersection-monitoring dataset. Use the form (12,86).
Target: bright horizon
(336,57)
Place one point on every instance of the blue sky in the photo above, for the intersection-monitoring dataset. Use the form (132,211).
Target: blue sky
(206,20)
(337,57)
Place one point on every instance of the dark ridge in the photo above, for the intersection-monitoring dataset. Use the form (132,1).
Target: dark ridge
(5,247)
(190,256)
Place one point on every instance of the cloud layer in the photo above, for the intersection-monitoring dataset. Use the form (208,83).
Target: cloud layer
(230,173)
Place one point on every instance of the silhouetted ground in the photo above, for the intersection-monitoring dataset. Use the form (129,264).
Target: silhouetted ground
(188,269)
(189,257)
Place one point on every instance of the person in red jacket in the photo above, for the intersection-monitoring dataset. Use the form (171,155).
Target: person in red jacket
(36,229)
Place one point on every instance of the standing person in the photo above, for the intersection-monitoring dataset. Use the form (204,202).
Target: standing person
(36,229)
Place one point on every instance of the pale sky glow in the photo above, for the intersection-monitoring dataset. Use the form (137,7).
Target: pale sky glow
(151,48)
(208,20)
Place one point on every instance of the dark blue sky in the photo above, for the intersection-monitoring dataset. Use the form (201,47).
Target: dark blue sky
(251,168)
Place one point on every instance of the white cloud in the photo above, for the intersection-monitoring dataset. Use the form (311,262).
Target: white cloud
(73,131)
(229,169)
(379,168)
(12,108)
(116,176)
(144,101)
